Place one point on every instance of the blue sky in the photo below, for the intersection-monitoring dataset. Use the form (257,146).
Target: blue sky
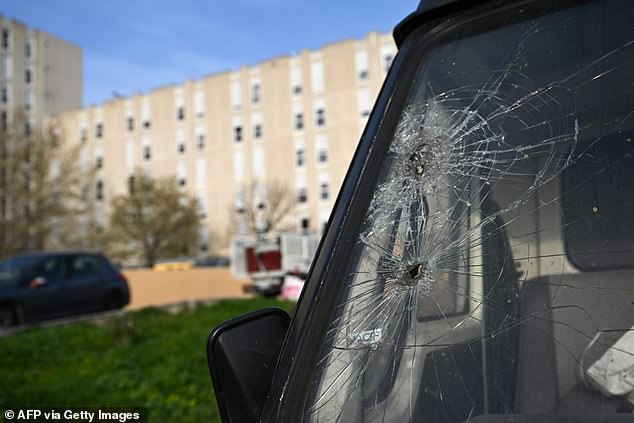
(135,45)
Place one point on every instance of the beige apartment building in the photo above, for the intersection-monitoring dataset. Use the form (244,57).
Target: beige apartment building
(294,119)
(40,74)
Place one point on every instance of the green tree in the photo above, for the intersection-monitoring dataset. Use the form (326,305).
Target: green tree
(155,220)
(40,195)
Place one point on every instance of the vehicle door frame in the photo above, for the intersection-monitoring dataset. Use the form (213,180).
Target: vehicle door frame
(45,301)
(86,296)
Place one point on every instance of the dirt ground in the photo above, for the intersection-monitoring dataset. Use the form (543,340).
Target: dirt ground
(148,287)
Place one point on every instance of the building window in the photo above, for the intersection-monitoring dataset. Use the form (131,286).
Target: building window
(7,66)
(304,224)
(181,173)
(237,134)
(99,162)
(361,59)
(324,190)
(200,141)
(146,112)
(130,121)
(5,95)
(131,184)
(129,154)
(84,191)
(5,38)
(99,190)
(320,118)
(55,139)
(27,49)
(255,93)
(199,104)
(27,128)
(181,147)
(296,79)
(99,130)
(236,95)
(321,149)
(27,76)
(4,120)
(387,62)
(258,163)
(300,158)
(257,131)
(83,135)
(299,121)
(147,153)
(180,113)
(324,226)
(238,166)
(29,101)
(317,76)
(201,177)
(302,195)
(363,99)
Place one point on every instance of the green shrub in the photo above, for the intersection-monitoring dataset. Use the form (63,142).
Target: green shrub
(148,358)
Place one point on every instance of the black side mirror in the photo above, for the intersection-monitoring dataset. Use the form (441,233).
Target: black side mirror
(242,354)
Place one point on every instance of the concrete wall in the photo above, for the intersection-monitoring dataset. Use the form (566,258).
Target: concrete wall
(148,287)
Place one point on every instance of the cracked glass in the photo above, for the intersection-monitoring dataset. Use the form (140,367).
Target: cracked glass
(494,270)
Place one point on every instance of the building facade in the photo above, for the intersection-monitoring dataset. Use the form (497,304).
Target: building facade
(40,74)
(294,120)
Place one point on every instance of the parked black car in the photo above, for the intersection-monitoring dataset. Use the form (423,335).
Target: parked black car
(478,264)
(41,286)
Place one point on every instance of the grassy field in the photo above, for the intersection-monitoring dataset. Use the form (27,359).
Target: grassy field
(148,358)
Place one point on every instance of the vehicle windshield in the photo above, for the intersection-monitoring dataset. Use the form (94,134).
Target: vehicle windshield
(493,271)
(11,269)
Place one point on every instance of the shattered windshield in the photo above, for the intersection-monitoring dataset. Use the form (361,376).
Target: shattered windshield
(494,270)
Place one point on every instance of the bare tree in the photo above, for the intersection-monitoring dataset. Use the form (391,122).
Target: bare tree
(155,220)
(40,196)
(264,208)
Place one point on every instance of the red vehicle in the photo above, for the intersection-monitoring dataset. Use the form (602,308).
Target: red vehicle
(267,263)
